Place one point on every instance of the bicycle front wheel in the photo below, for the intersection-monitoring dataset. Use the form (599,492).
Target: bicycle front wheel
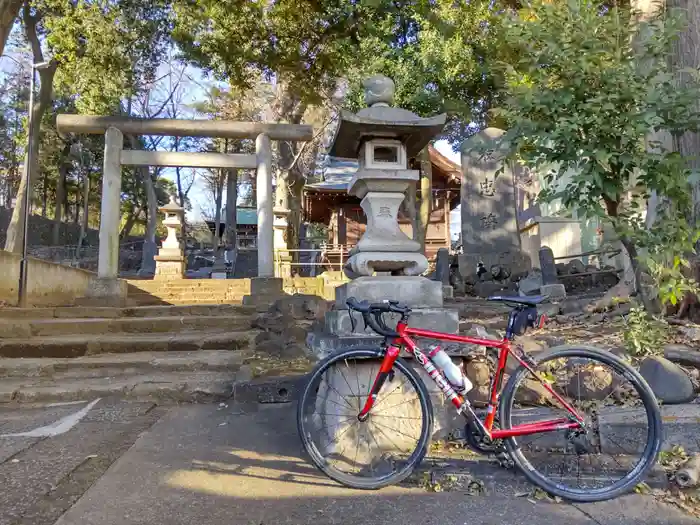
(379,451)
(621,438)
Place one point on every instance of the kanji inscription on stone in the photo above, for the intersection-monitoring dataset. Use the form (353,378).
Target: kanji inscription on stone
(487,188)
(384,211)
(489,221)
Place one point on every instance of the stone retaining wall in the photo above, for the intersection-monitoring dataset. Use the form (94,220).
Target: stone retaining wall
(49,284)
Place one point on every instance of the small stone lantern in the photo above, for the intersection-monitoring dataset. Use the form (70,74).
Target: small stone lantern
(170,261)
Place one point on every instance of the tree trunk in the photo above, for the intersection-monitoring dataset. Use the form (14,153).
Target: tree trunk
(60,197)
(218,197)
(45,195)
(86,213)
(231,198)
(129,223)
(180,195)
(651,305)
(148,263)
(686,54)
(9,10)
(15,230)
(426,197)
(290,179)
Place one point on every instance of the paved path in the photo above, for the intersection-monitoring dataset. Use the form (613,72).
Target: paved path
(242,465)
(51,454)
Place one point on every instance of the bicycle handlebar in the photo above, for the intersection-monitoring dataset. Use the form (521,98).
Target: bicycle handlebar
(377,324)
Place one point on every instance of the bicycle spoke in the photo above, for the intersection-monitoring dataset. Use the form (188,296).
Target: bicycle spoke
(578,470)
(387,395)
(348,384)
(395,417)
(340,395)
(338,404)
(393,406)
(392,441)
(395,430)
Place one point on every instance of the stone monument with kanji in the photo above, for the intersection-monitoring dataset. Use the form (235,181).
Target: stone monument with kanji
(490,236)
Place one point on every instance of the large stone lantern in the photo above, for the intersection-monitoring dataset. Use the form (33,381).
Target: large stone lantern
(383,139)
(385,263)
(170,261)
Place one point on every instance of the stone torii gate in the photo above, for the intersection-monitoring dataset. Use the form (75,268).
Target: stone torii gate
(109,288)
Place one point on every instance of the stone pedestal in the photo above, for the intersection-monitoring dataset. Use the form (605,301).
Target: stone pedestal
(218,270)
(417,292)
(169,267)
(105,292)
(264,291)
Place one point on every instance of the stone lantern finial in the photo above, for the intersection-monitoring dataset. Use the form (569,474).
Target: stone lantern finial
(379,90)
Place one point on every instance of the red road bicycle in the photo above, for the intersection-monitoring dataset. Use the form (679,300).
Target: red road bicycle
(366,417)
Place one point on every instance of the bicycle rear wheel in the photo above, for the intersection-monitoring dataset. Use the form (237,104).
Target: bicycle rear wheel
(386,447)
(623,432)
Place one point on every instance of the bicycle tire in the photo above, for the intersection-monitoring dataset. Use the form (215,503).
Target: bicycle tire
(421,448)
(649,455)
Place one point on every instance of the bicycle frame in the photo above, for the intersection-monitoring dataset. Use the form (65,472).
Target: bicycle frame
(460,403)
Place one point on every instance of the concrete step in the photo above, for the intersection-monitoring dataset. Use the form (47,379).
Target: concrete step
(183,378)
(203,386)
(113,365)
(93,344)
(195,292)
(152,300)
(16,328)
(76,312)
(191,285)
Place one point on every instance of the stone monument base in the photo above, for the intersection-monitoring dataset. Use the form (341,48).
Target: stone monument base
(105,292)
(264,291)
(516,263)
(556,292)
(418,292)
(169,267)
(424,296)
(338,322)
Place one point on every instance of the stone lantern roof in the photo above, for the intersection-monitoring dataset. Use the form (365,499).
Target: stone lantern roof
(381,120)
(172,207)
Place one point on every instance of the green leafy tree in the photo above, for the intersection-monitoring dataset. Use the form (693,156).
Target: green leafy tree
(302,47)
(582,92)
(101,52)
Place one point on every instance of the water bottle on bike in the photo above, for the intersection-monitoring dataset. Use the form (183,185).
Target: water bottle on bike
(452,372)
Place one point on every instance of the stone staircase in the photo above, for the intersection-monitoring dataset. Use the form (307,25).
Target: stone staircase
(187,291)
(176,353)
